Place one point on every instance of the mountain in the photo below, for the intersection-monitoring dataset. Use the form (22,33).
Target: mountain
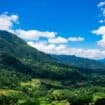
(79,62)
(13,45)
(30,77)
(17,58)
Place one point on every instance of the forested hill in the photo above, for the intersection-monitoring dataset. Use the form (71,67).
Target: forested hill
(79,62)
(16,56)
(30,77)
(13,45)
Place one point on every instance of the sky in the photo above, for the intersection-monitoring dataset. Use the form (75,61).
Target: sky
(62,27)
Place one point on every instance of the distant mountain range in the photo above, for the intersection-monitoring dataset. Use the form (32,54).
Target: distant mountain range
(80,62)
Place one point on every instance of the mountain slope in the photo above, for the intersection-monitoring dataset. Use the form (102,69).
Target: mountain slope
(13,45)
(16,57)
(79,62)
(30,77)
(12,71)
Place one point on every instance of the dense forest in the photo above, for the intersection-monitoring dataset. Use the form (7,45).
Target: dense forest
(30,77)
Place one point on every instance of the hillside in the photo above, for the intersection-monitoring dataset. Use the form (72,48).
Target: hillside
(13,45)
(80,62)
(30,77)
(17,56)
(12,71)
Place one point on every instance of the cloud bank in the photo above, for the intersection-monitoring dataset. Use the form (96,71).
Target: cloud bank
(52,42)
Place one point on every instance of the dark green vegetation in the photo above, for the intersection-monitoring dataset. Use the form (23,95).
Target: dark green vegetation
(30,77)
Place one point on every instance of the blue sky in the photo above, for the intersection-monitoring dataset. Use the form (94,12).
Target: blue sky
(76,22)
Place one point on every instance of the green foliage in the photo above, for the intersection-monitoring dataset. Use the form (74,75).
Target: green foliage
(8,100)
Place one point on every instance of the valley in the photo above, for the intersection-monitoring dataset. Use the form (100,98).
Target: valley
(30,77)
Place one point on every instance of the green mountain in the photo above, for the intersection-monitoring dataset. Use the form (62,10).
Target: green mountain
(30,77)
(80,62)
(13,45)
(16,56)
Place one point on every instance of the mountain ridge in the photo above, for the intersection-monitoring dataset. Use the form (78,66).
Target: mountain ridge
(80,62)
(33,62)
(30,77)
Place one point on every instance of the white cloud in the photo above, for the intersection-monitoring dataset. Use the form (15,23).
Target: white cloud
(54,44)
(101,4)
(62,49)
(58,40)
(76,39)
(30,35)
(7,21)
(52,37)
(41,46)
(102,42)
(34,34)
(100,31)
